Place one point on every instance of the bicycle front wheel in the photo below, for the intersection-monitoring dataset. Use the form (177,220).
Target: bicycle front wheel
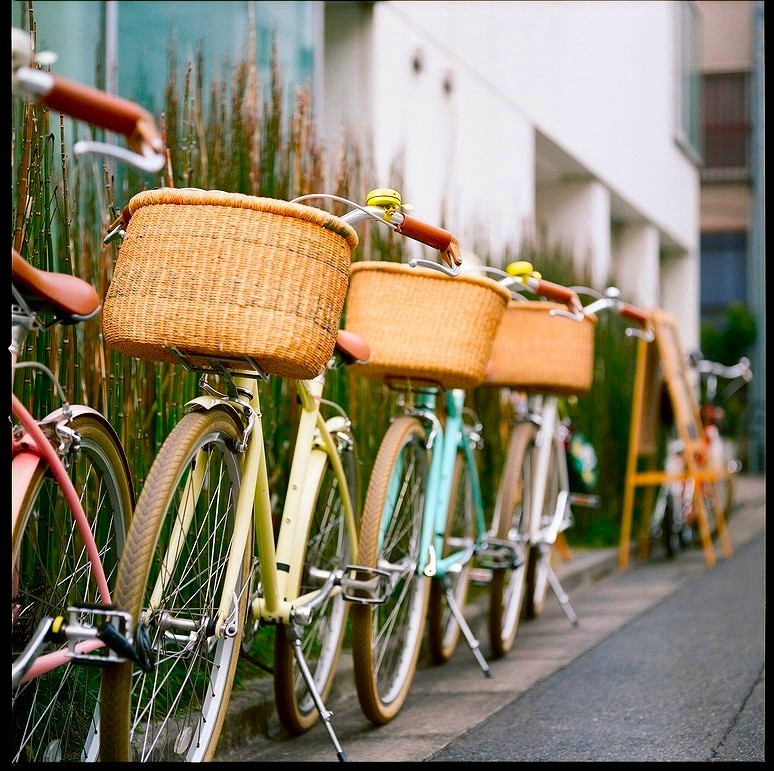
(443,628)
(171,580)
(387,637)
(328,548)
(54,716)
(510,522)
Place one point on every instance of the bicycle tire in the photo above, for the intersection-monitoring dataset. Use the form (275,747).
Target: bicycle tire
(387,638)
(719,457)
(328,548)
(724,489)
(510,523)
(443,628)
(541,554)
(54,716)
(177,712)
(671,529)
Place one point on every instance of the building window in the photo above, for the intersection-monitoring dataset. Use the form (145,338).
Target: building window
(727,126)
(723,272)
(687,79)
(146,28)
(126,44)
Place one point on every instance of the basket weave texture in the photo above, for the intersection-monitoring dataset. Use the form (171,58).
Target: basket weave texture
(229,275)
(535,351)
(422,325)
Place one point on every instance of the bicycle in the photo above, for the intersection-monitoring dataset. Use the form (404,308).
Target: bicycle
(72,492)
(204,565)
(540,357)
(673,520)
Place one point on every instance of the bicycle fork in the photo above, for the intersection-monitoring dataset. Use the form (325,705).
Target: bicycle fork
(451,437)
(544,537)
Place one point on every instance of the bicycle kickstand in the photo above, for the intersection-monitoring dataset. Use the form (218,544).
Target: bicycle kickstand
(561,595)
(325,715)
(472,642)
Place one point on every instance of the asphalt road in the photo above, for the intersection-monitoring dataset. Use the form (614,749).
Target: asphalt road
(667,664)
(682,682)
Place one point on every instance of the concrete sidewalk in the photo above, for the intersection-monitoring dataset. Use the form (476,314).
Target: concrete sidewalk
(252,720)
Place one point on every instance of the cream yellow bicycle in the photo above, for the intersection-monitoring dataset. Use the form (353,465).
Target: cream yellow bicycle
(204,562)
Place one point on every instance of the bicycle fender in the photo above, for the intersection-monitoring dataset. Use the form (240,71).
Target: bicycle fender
(208,402)
(76,410)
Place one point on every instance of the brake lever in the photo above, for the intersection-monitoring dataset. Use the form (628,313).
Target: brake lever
(577,315)
(150,163)
(455,271)
(647,335)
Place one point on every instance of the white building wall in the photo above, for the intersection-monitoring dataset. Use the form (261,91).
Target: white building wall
(576,214)
(595,78)
(636,257)
(467,154)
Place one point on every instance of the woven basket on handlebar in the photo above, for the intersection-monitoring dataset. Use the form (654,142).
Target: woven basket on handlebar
(229,275)
(535,351)
(422,325)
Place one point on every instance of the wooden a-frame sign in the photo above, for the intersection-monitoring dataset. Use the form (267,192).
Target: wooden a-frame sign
(658,362)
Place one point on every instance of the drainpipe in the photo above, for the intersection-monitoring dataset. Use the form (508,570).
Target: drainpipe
(756,264)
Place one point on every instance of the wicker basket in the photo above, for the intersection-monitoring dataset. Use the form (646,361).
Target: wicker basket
(422,325)
(535,351)
(230,276)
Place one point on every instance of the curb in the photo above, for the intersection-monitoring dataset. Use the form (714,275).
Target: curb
(251,713)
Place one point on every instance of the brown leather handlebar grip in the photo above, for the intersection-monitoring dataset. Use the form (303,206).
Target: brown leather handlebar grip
(438,238)
(634,314)
(122,220)
(558,293)
(102,109)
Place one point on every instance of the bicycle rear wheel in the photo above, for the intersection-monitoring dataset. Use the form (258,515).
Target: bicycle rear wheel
(54,716)
(541,554)
(672,527)
(510,524)
(328,548)
(387,638)
(176,713)
(443,629)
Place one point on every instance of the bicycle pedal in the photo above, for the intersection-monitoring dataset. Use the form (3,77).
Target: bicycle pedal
(104,623)
(371,586)
(498,555)
(585,500)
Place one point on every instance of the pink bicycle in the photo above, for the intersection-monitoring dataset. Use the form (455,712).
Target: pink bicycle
(72,493)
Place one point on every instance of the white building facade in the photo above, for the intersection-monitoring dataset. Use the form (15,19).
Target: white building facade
(576,119)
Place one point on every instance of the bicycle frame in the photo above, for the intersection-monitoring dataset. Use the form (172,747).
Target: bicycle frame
(29,449)
(445,441)
(548,441)
(315,440)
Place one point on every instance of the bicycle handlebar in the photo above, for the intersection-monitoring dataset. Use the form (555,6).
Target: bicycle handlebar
(384,205)
(93,106)
(633,313)
(432,236)
(555,292)
(739,370)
